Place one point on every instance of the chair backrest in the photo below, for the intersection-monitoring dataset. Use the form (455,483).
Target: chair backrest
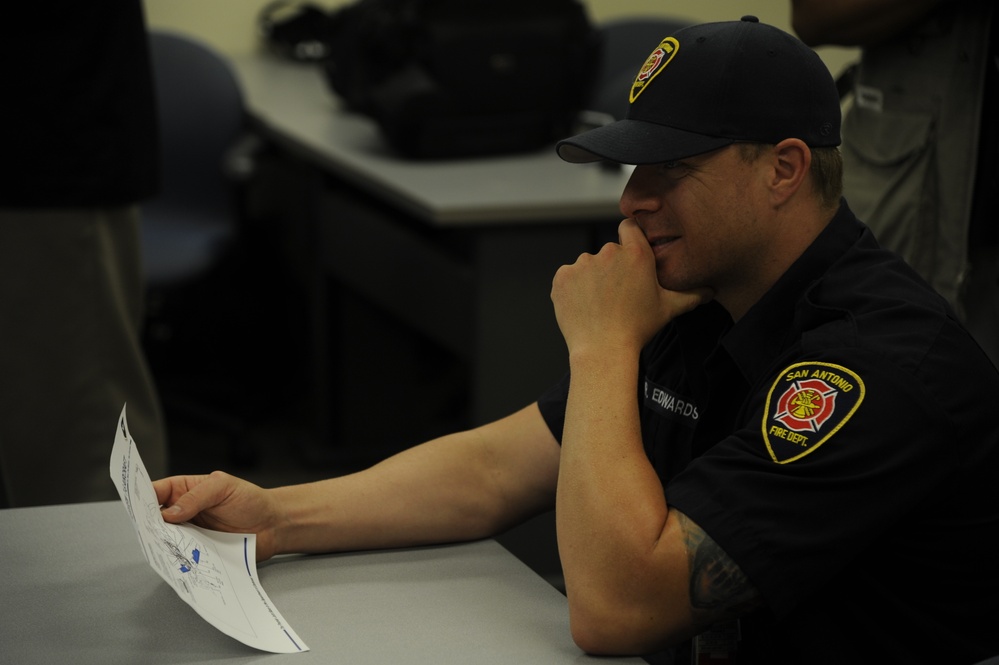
(201,116)
(627,42)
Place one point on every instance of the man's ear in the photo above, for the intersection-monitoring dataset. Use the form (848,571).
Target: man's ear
(792,161)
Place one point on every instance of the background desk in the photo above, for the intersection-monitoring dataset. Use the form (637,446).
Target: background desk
(458,252)
(76,590)
(462,251)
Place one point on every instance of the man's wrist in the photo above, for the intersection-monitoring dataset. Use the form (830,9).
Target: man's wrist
(602,362)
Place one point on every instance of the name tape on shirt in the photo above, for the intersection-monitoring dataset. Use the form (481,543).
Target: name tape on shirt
(807,404)
(667,403)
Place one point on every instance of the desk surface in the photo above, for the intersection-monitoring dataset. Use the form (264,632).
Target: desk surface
(76,589)
(294,107)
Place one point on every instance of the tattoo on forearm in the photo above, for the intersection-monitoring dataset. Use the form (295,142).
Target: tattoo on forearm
(717,584)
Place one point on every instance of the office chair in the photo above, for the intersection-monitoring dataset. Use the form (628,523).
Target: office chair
(187,228)
(626,42)
(191,228)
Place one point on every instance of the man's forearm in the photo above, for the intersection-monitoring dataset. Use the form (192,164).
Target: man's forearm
(386,506)
(459,487)
(610,513)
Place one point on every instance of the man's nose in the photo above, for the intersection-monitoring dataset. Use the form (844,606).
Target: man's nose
(638,195)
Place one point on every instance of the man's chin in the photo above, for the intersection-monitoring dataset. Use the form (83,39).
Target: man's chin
(673,283)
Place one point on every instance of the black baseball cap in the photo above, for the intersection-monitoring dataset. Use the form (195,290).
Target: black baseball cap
(710,85)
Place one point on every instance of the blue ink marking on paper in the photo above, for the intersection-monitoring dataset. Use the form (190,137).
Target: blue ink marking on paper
(292,639)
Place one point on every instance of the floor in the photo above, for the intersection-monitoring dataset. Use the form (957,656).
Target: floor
(233,358)
(263,425)
(272,452)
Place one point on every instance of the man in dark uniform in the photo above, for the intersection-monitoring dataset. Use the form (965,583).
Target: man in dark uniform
(776,438)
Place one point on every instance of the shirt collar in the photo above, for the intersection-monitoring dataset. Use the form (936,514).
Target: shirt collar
(773,323)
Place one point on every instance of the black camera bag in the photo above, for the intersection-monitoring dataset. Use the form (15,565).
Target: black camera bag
(460,78)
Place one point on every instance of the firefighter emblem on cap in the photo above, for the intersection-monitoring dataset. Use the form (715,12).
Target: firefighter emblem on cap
(807,404)
(654,64)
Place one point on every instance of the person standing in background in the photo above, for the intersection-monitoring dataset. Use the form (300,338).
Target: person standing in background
(81,148)
(921,138)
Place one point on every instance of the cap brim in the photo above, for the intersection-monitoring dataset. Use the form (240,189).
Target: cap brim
(636,142)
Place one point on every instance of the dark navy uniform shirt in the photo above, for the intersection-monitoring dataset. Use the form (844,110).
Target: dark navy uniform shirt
(841,444)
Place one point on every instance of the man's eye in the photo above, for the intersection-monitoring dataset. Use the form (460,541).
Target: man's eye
(674,169)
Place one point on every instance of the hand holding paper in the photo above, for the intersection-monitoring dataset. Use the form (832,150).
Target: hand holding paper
(214,572)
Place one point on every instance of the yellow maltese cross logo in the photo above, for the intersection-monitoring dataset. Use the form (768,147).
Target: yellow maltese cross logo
(654,64)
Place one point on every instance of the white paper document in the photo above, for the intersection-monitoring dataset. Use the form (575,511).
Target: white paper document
(214,572)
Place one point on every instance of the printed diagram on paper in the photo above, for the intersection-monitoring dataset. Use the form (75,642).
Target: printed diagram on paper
(199,574)
(214,572)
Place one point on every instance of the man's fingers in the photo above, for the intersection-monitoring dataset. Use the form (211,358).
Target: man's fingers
(184,509)
(628,232)
(183,498)
(164,489)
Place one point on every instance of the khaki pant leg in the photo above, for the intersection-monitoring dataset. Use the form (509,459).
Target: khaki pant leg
(71,299)
(981,300)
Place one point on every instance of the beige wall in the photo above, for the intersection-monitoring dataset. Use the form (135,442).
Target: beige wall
(230,25)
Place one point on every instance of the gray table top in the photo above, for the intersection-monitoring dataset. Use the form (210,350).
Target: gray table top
(77,590)
(296,108)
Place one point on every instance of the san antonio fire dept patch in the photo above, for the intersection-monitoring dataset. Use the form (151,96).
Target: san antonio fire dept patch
(807,404)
